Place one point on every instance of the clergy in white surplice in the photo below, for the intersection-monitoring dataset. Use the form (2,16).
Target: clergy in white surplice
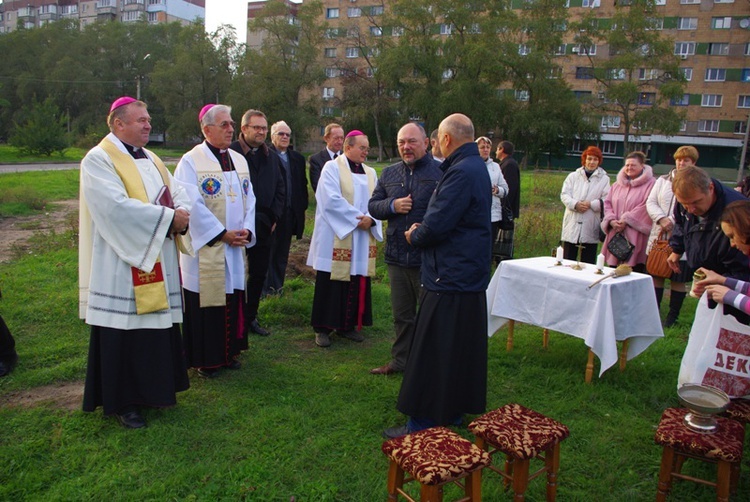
(222,226)
(133,217)
(343,246)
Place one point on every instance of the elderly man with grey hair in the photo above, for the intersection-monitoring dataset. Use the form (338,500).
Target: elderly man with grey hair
(292,221)
(222,225)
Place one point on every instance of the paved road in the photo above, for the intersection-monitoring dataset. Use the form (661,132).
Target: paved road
(18,168)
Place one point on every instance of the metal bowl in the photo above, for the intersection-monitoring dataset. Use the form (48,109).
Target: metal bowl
(703,402)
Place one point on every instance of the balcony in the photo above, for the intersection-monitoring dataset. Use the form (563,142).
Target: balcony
(106,9)
(48,13)
(27,14)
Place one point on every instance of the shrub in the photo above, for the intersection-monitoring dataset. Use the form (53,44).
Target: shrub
(43,131)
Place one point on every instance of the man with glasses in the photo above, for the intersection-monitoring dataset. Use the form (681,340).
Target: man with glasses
(270,196)
(222,225)
(343,246)
(334,138)
(293,220)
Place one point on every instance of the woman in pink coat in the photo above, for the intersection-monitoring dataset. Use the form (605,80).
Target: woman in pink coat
(625,210)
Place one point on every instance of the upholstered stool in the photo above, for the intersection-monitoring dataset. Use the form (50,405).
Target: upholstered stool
(521,434)
(435,457)
(739,409)
(723,447)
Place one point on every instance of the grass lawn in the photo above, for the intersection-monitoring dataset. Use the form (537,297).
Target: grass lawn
(300,421)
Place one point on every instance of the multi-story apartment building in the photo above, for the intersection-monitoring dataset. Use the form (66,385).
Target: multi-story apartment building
(712,40)
(33,13)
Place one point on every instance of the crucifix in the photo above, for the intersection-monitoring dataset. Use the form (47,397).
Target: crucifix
(231,193)
(578,265)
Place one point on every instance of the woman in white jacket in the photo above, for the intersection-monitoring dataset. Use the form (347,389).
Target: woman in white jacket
(660,206)
(499,185)
(583,194)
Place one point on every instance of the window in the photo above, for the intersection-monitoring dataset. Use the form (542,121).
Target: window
(746,74)
(647,98)
(332,72)
(376,10)
(684,48)
(576,147)
(581,50)
(591,3)
(708,126)
(376,31)
(611,122)
(683,101)
(689,2)
(687,23)
(721,23)
(373,52)
(608,147)
(584,72)
(711,100)
(445,29)
(332,33)
(397,31)
(327,111)
(723,1)
(683,125)
(523,50)
(555,72)
(369,72)
(716,74)
(655,23)
(130,16)
(743,101)
(328,92)
(475,29)
(718,49)
(153,17)
(353,12)
(329,52)
(660,2)
(352,32)
(687,74)
(332,13)
(522,95)
(740,127)
(747,49)
(582,95)
(560,50)
(352,52)
(617,74)
(648,74)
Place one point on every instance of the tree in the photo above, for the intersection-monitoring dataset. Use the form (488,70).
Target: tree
(42,131)
(639,76)
(279,78)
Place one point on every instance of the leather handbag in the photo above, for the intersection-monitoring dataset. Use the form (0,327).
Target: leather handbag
(656,262)
(506,223)
(620,247)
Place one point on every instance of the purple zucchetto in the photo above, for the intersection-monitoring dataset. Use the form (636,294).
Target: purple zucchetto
(355,132)
(124,100)
(204,110)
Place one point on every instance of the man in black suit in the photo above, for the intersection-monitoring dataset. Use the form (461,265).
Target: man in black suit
(334,138)
(292,221)
(8,356)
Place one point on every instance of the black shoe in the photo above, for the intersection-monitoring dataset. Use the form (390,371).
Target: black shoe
(7,367)
(322,339)
(208,372)
(234,365)
(131,420)
(352,335)
(256,328)
(396,432)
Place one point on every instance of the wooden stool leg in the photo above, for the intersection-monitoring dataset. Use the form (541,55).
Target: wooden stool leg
(509,461)
(520,478)
(552,463)
(735,478)
(723,480)
(665,474)
(395,480)
(473,486)
(509,343)
(545,338)
(590,367)
(624,354)
(431,493)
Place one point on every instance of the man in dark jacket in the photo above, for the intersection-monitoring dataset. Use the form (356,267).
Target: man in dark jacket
(446,373)
(293,220)
(334,138)
(697,228)
(401,197)
(270,194)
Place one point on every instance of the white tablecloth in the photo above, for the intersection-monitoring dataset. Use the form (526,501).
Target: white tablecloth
(534,291)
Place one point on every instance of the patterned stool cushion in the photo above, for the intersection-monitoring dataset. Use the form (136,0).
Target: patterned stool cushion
(435,456)
(739,409)
(519,431)
(724,444)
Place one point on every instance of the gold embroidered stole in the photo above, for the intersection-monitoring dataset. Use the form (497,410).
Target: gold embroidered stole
(342,248)
(149,289)
(211,184)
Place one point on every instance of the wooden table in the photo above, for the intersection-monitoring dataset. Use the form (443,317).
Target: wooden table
(536,291)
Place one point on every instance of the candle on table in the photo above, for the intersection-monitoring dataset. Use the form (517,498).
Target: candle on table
(559,254)
(600,262)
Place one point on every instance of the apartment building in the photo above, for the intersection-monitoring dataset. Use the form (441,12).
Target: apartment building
(33,13)
(712,39)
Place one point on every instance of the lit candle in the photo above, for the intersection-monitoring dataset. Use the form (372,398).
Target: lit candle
(600,262)
(559,254)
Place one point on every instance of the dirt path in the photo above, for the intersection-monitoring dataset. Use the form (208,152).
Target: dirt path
(15,232)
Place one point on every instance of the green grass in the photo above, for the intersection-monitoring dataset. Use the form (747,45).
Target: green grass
(300,421)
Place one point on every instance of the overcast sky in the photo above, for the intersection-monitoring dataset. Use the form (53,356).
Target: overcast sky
(232,12)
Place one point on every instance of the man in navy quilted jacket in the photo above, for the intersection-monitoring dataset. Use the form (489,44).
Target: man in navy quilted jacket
(401,197)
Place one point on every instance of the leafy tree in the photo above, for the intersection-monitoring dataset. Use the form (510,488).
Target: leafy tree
(639,76)
(279,78)
(42,131)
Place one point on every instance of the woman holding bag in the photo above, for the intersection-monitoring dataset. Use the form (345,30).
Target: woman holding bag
(625,212)
(660,205)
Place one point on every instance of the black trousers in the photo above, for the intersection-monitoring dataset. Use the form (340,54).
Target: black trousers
(281,241)
(7,344)
(258,257)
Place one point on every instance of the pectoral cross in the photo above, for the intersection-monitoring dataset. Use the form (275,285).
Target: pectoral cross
(231,193)
(578,265)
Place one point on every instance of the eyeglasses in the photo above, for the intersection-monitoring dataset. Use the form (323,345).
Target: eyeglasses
(364,149)
(284,134)
(226,124)
(258,128)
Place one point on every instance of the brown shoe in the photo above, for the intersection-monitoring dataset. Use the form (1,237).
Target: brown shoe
(386,369)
